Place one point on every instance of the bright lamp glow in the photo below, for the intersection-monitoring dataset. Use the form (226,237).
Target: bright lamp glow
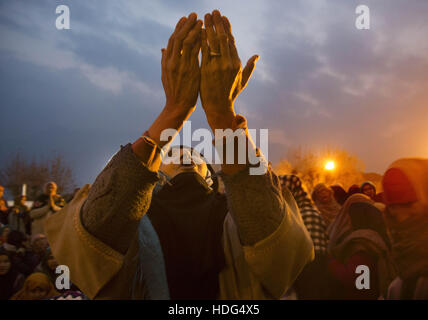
(329,165)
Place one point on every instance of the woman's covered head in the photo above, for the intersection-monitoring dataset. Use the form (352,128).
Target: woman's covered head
(322,193)
(369,189)
(36,287)
(405,186)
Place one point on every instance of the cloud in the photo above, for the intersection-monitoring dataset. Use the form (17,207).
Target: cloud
(319,80)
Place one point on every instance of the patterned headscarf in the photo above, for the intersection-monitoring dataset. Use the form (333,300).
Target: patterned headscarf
(311,217)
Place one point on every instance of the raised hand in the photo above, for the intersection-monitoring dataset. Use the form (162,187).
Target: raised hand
(180,78)
(222,76)
(180,65)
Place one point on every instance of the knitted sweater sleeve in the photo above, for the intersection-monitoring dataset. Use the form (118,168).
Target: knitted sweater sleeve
(119,198)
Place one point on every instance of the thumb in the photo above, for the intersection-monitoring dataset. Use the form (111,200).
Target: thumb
(248,70)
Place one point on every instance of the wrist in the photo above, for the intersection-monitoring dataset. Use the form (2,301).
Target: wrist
(223,120)
(176,111)
(170,118)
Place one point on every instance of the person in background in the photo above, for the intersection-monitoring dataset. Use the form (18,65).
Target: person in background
(369,189)
(358,237)
(327,205)
(48,266)
(19,218)
(405,185)
(312,283)
(45,205)
(10,279)
(22,258)
(36,287)
(340,194)
(4,210)
(39,245)
(4,232)
(355,188)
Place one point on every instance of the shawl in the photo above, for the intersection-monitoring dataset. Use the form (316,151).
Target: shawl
(410,237)
(342,226)
(328,210)
(33,281)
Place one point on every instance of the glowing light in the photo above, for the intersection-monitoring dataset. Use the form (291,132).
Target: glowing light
(329,165)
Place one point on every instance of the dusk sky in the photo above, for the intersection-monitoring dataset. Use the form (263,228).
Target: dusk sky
(320,82)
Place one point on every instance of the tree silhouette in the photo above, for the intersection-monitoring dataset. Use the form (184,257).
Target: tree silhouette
(18,171)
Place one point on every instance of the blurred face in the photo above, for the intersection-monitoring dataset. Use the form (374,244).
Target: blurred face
(40,245)
(4,265)
(324,195)
(38,293)
(403,211)
(184,161)
(52,264)
(369,191)
(50,188)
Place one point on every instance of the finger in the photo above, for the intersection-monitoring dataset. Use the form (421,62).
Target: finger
(182,34)
(248,70)
(178,27)
(163,60)
(221,35)
(232,47)
(204,48)
(191,39)
(163,63)
(194,55)
(212,37)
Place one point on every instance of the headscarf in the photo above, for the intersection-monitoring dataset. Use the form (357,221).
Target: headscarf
(34,280)
(370,184)
(8,280)
(360,227)
(355,188)
(406,180)
(329,210)
(340,194)
(342,226)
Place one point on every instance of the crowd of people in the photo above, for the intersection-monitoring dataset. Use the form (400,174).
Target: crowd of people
(27,266)
(146,229)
